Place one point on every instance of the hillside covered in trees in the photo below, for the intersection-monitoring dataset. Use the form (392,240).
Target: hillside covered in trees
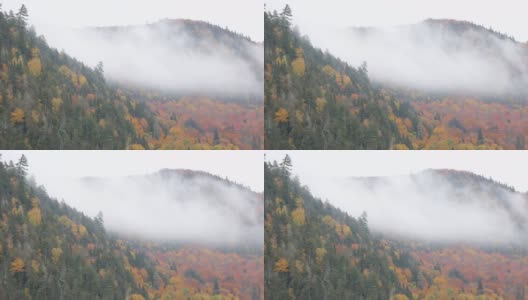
(49,250)
(50,100)
(444,84)
(314,100)
(316,251)
(467,82)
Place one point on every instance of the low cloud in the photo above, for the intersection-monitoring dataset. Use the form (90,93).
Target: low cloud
(169,206)
(429,56)
(428,206)
(164,56)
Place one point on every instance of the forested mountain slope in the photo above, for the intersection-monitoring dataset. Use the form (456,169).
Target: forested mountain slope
(467,82)
(316,251)
(483,112)
(438,84)
(49,100)
(314,100)
(203,82)
(51,251)
(464,261)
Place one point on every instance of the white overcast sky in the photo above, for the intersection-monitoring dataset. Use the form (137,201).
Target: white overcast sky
(243,16)
(507,16)
(504,166)
(244,167)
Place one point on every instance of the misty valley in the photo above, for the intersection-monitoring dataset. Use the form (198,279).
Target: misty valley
(436,84)
(435,234)
(173,234)
(171,84)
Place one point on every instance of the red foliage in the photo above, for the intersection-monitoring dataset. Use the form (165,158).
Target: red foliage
(502,273)
(237,274)
(503,125)
(192,123)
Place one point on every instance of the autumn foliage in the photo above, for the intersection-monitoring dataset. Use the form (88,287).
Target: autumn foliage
(202,123)
(468,124)
(49,100)
(315,100)
(331,247)
(43,242)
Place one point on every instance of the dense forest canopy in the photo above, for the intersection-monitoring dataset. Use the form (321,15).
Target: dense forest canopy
(49,100)
(314,100)
(51,251)
(314,250)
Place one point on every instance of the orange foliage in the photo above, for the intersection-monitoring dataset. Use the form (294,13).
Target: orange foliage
(17,266)
(503,125)
(281,266)
(17,116)
(281,116)
(460,268)
(237,275)
(201,123)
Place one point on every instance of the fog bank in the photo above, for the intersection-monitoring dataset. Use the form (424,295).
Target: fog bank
(169,206)
(432,55)
(167,56)
(430,207)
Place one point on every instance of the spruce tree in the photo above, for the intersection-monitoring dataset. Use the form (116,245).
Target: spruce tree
(22,166)
(216,287)
(286,14)
(22,15)
(99,70)
(480,137)
(286,164)
(216,137)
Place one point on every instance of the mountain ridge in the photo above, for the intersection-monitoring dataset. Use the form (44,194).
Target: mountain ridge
(316,250)
(51,250)
(52,100)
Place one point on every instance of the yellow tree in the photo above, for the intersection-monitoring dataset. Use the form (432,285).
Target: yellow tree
(17,116)
(56,253)
(34,215)
(281,116)
(298,64)
(281,266)
(320,254)
(56,104)
(343,230)
(17,266)
(298,216)
(34,65)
